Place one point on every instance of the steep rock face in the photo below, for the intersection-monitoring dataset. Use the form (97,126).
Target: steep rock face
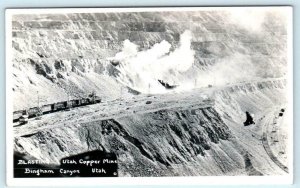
(57,81)
(151,144)
(252,97)
(170,142)
(258,99)
(66,54)
(72,49)
(100,34)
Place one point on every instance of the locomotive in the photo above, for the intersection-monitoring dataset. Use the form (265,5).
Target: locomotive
(22,116)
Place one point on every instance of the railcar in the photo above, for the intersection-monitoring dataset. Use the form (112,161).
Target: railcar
(23,119)
(85,101)
(34,112)
(75,103)
(59,106)
(46,109)
(19,116)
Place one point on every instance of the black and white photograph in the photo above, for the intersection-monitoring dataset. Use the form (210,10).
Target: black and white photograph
(168,92)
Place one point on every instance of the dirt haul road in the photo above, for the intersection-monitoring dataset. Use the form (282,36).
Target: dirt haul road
(118,108)
(182,133)
(274,138)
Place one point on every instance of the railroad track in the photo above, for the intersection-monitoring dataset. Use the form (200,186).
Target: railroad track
(54,107)
(268,150)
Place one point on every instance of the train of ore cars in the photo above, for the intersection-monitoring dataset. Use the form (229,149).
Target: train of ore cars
(22,116)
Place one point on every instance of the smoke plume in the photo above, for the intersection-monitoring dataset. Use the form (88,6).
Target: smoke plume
(141,70)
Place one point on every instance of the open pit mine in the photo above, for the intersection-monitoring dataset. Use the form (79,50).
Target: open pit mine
(168,94)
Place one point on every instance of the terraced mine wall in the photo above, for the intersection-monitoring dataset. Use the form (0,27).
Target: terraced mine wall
(95,36)
(66,54)
(152,144)
(202,141)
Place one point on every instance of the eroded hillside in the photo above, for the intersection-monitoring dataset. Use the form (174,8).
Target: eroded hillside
(67,55)
(190,138)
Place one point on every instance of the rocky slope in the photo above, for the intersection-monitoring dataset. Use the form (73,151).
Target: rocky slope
(258,99)
(57,56)
(68,54)
(152,144)
(177,141)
